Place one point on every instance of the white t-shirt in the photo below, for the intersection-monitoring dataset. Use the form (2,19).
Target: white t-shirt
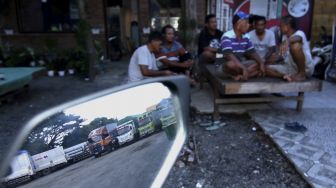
(141,56)
(262,46)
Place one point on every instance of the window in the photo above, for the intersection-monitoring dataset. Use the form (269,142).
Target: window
(47,15)
(165,12)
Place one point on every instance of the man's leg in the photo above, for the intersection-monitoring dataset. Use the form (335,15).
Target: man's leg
(207,57)
(253,70)
(273,73)
(233,70)
(300,61)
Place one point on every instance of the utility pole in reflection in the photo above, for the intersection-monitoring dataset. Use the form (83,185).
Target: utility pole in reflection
(89,47)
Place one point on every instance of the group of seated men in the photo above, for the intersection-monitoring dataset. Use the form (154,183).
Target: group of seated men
(246,53)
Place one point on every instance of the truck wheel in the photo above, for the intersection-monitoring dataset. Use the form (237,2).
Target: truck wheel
(97,155)
(46,171)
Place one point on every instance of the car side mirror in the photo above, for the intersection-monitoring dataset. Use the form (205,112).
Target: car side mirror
(85,143)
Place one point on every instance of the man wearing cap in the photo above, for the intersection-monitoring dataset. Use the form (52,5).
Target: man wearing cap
(242,61)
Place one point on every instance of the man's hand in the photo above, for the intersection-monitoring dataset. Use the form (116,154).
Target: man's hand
(187,64)
(262,70)
(245,73)
(168,73)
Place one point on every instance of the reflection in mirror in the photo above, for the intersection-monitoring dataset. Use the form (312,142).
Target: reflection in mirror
(118,140)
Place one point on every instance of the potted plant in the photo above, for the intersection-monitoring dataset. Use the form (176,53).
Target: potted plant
(60,64)
(71,67)
(51,69)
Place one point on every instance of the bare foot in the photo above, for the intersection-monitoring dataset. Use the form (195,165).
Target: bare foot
(295,77)
(298,77)
(287,77)
(238,77)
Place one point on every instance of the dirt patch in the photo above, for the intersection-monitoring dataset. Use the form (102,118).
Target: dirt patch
(235,155)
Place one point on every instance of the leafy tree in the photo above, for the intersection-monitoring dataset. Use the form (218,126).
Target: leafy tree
(50,133)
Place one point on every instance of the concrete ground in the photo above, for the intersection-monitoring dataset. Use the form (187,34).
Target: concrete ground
(313,152)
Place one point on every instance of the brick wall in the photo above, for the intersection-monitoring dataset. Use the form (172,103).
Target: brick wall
(324,14)
(64,40)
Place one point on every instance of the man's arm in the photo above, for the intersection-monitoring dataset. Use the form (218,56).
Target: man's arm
(271,47)
(254,56)
(204,44)
(153,73)
(168,63)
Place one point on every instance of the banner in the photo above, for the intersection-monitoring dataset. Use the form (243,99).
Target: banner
(273,10)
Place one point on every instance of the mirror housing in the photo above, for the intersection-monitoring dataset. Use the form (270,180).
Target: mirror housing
(179,88)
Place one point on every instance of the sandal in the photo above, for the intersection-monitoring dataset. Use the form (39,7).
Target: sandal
(295,127)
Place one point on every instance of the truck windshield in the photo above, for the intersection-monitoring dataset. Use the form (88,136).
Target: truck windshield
(167,112)
(123,130)
(144,121)
(96,138)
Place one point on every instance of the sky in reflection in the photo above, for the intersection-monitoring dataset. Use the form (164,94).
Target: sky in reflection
(121,104)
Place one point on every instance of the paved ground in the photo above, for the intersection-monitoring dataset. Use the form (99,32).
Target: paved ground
(313,152)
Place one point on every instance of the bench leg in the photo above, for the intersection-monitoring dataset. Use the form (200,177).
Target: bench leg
(299,104)
(215,116)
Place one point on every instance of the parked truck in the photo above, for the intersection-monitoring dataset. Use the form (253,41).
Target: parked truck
(48,161)
(77,152)
(145,124)
(168,117)
(126,132)
(100,141)
(21,169)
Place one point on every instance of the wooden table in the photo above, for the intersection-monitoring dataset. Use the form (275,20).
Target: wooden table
(17,79)
(228,91)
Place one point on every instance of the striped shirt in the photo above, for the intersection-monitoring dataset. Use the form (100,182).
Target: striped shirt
(239,47)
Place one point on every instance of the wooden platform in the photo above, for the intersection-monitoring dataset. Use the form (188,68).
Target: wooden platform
(228,91)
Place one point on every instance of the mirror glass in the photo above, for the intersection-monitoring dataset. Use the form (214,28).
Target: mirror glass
(118,140)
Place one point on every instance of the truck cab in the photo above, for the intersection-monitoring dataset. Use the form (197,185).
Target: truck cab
(168,117)
(126,132)
(100,141)
(22,169)
(146,125)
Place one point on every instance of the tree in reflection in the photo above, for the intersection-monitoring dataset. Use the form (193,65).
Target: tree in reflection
(61,130)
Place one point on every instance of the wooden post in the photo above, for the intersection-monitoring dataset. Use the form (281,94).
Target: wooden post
(89,41)
(216,96)
(299,104)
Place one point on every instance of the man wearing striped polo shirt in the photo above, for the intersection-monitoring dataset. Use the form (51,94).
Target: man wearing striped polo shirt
(241,60)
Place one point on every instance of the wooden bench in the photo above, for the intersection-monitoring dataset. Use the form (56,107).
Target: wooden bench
(228,91)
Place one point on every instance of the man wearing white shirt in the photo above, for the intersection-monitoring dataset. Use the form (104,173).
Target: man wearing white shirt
(263,40)
(143,61)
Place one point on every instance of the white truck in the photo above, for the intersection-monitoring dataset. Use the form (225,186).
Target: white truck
(21,169)
(49,160)
(77,152)
(126,132)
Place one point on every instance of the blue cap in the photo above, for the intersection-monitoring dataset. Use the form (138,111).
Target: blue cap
(240,15)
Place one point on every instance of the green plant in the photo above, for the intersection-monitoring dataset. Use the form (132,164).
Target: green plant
(50,65)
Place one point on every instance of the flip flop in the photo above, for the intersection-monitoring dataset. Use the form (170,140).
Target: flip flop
(215,126)
(205,124)
(295,127)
